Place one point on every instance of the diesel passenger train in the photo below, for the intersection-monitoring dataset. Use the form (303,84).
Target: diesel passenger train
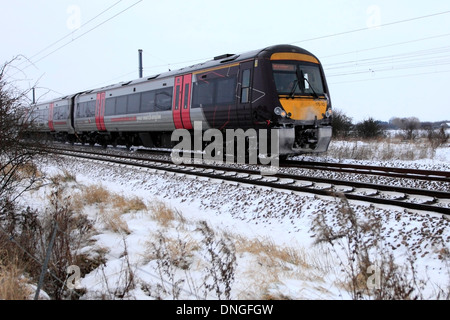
(280,87)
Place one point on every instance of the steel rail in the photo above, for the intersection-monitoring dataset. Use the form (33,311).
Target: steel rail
(416,174)
(264,181)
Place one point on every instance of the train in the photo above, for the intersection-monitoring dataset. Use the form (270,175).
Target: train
(280,87)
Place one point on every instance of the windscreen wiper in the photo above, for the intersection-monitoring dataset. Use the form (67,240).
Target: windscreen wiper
(298,83)
(314,91)
(291,95)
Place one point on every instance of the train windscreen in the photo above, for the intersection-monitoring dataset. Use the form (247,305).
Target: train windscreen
(296,79)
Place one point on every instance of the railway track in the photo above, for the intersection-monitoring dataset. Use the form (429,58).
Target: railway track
(416,174)
(409,198)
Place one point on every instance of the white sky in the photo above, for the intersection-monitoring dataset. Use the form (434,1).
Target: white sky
(411,80)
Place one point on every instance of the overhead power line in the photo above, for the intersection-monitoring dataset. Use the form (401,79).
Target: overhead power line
(386,46)
(78,37)
(392,77)
(381,25)
(71,33)
(90,30)
(348,32)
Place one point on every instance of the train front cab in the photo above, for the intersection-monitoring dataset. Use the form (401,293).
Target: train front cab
(302,106)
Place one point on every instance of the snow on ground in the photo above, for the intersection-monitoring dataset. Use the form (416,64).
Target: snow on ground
(269,232)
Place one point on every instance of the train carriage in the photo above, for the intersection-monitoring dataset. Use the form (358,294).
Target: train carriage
(54,117)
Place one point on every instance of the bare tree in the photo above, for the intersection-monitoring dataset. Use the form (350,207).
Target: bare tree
(410,126)
(18,149)
(342,124)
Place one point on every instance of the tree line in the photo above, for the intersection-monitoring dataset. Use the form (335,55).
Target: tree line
(409,128)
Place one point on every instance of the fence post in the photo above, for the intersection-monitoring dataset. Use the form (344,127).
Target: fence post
(47,258)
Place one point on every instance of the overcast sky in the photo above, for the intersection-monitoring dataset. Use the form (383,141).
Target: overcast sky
(382,59)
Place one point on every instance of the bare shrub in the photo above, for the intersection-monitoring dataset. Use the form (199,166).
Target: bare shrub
(342,124)
(174,259)
(29,234)
(64,177)
(18,150)
(73,232)
(170,256)
(123,282)
(437,138)
(365,257)
(221,254)
(369,129)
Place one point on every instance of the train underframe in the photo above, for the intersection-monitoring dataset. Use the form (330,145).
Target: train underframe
(292,140)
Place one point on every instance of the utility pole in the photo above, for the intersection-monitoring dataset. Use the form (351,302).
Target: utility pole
(141,69)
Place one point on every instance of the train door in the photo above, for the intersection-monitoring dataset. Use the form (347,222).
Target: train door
(100,111)
(244,106)
(182,102)
(50,117)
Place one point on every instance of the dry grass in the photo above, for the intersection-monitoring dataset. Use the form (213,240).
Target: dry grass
(126,205)
(21,171)
(96,195)
(66,176)
(111,206)
(113,221)
(13,286)
(272,254)
(276,263)
(383,150)
(178,252)
(164,214)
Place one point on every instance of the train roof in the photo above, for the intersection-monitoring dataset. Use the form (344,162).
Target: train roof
(216,61)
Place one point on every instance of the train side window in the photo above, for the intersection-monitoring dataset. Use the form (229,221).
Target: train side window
(245,93)
(226,89)
(187,94)
(110,107)
(164,99)
(90,109)
(56,113)
(203,94)
(65,112)
(177,97)
(134,103)
(80,109)
(121,105)
(45,115)
(62,113)
(148,101)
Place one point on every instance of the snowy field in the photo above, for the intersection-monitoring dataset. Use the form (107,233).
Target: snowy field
(225,240)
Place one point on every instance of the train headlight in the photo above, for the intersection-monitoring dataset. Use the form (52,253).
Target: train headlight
(280,112)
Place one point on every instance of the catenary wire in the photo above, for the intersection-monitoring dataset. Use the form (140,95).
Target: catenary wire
(71,33)
(31,63)
(364,29)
